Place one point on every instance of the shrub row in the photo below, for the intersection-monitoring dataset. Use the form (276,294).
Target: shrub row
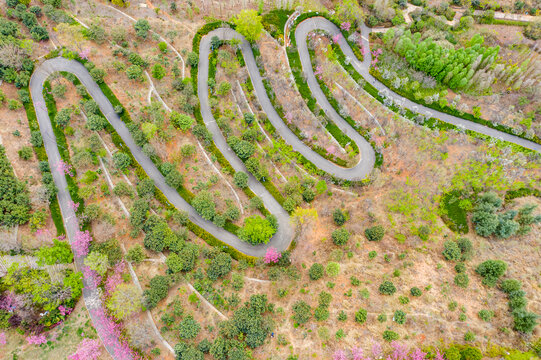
(62,145)
(41,155)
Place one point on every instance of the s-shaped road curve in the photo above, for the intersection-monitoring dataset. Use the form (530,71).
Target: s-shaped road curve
(363,67)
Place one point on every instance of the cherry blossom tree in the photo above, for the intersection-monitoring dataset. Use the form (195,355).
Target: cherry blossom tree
(357,353)
(88,349)
(339,355)
(3,340)
(377,351)
(65,168)
(36,339)
(346,26)
(80,245)
(91,276)
(272,256)
(336,38)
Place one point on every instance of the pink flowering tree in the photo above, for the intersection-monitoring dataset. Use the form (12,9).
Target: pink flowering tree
(357,353)
(36,339)
(83,54)
(64,167)
(272,256)
(115,279)
(319,72)
(339,355)
(336,38)
(3,340)
(289,117)
(91,277)
(346,26)
(110,333)
(377,351)
(88,349)
(80,245)
(400,351)
(73,205)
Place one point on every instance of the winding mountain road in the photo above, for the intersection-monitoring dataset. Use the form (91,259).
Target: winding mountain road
(285,233)
(363,67)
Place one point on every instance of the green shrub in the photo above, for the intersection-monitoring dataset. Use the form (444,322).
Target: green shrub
(466,248)
(399,317)
(387,288)
(342,316)
(510,285)
(524,321)
(403,300)
(451,251)
(302,312)
(25,153)
(415,291)
(321,313)
(372,254)
(316,271)
(332,269)
(340,236)
(469,336)
(361,315)
(460,268)
(486,315)
(471,353)
(462,280)
(339,217)
(491,271)
(389,336)
(374,233)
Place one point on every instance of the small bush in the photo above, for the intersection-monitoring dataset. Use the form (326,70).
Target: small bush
(332,269)
(415,291)
(387,288)
(316,271)
(469,336)
(403,300)
(451,251)
(399,317)
(486,315)
(460,268)
(339,217)
(491,271)
(361,315)
(462,280)
(389,336)
(340,236)
(375,233)
(510,285)
(372,254)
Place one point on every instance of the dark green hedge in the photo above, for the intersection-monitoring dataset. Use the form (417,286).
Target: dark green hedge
(41,155)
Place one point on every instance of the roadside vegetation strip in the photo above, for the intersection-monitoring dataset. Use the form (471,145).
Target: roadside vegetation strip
(361,130)
(41,155)
(454,112)
(420,119)
(430,122)
(335,131)
(63,149)
(141,174)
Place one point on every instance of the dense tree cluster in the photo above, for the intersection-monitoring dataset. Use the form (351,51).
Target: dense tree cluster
(490,221)
(453,67)
(14,200)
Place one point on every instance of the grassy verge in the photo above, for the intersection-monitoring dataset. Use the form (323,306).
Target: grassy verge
(41,155)
(63,149)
